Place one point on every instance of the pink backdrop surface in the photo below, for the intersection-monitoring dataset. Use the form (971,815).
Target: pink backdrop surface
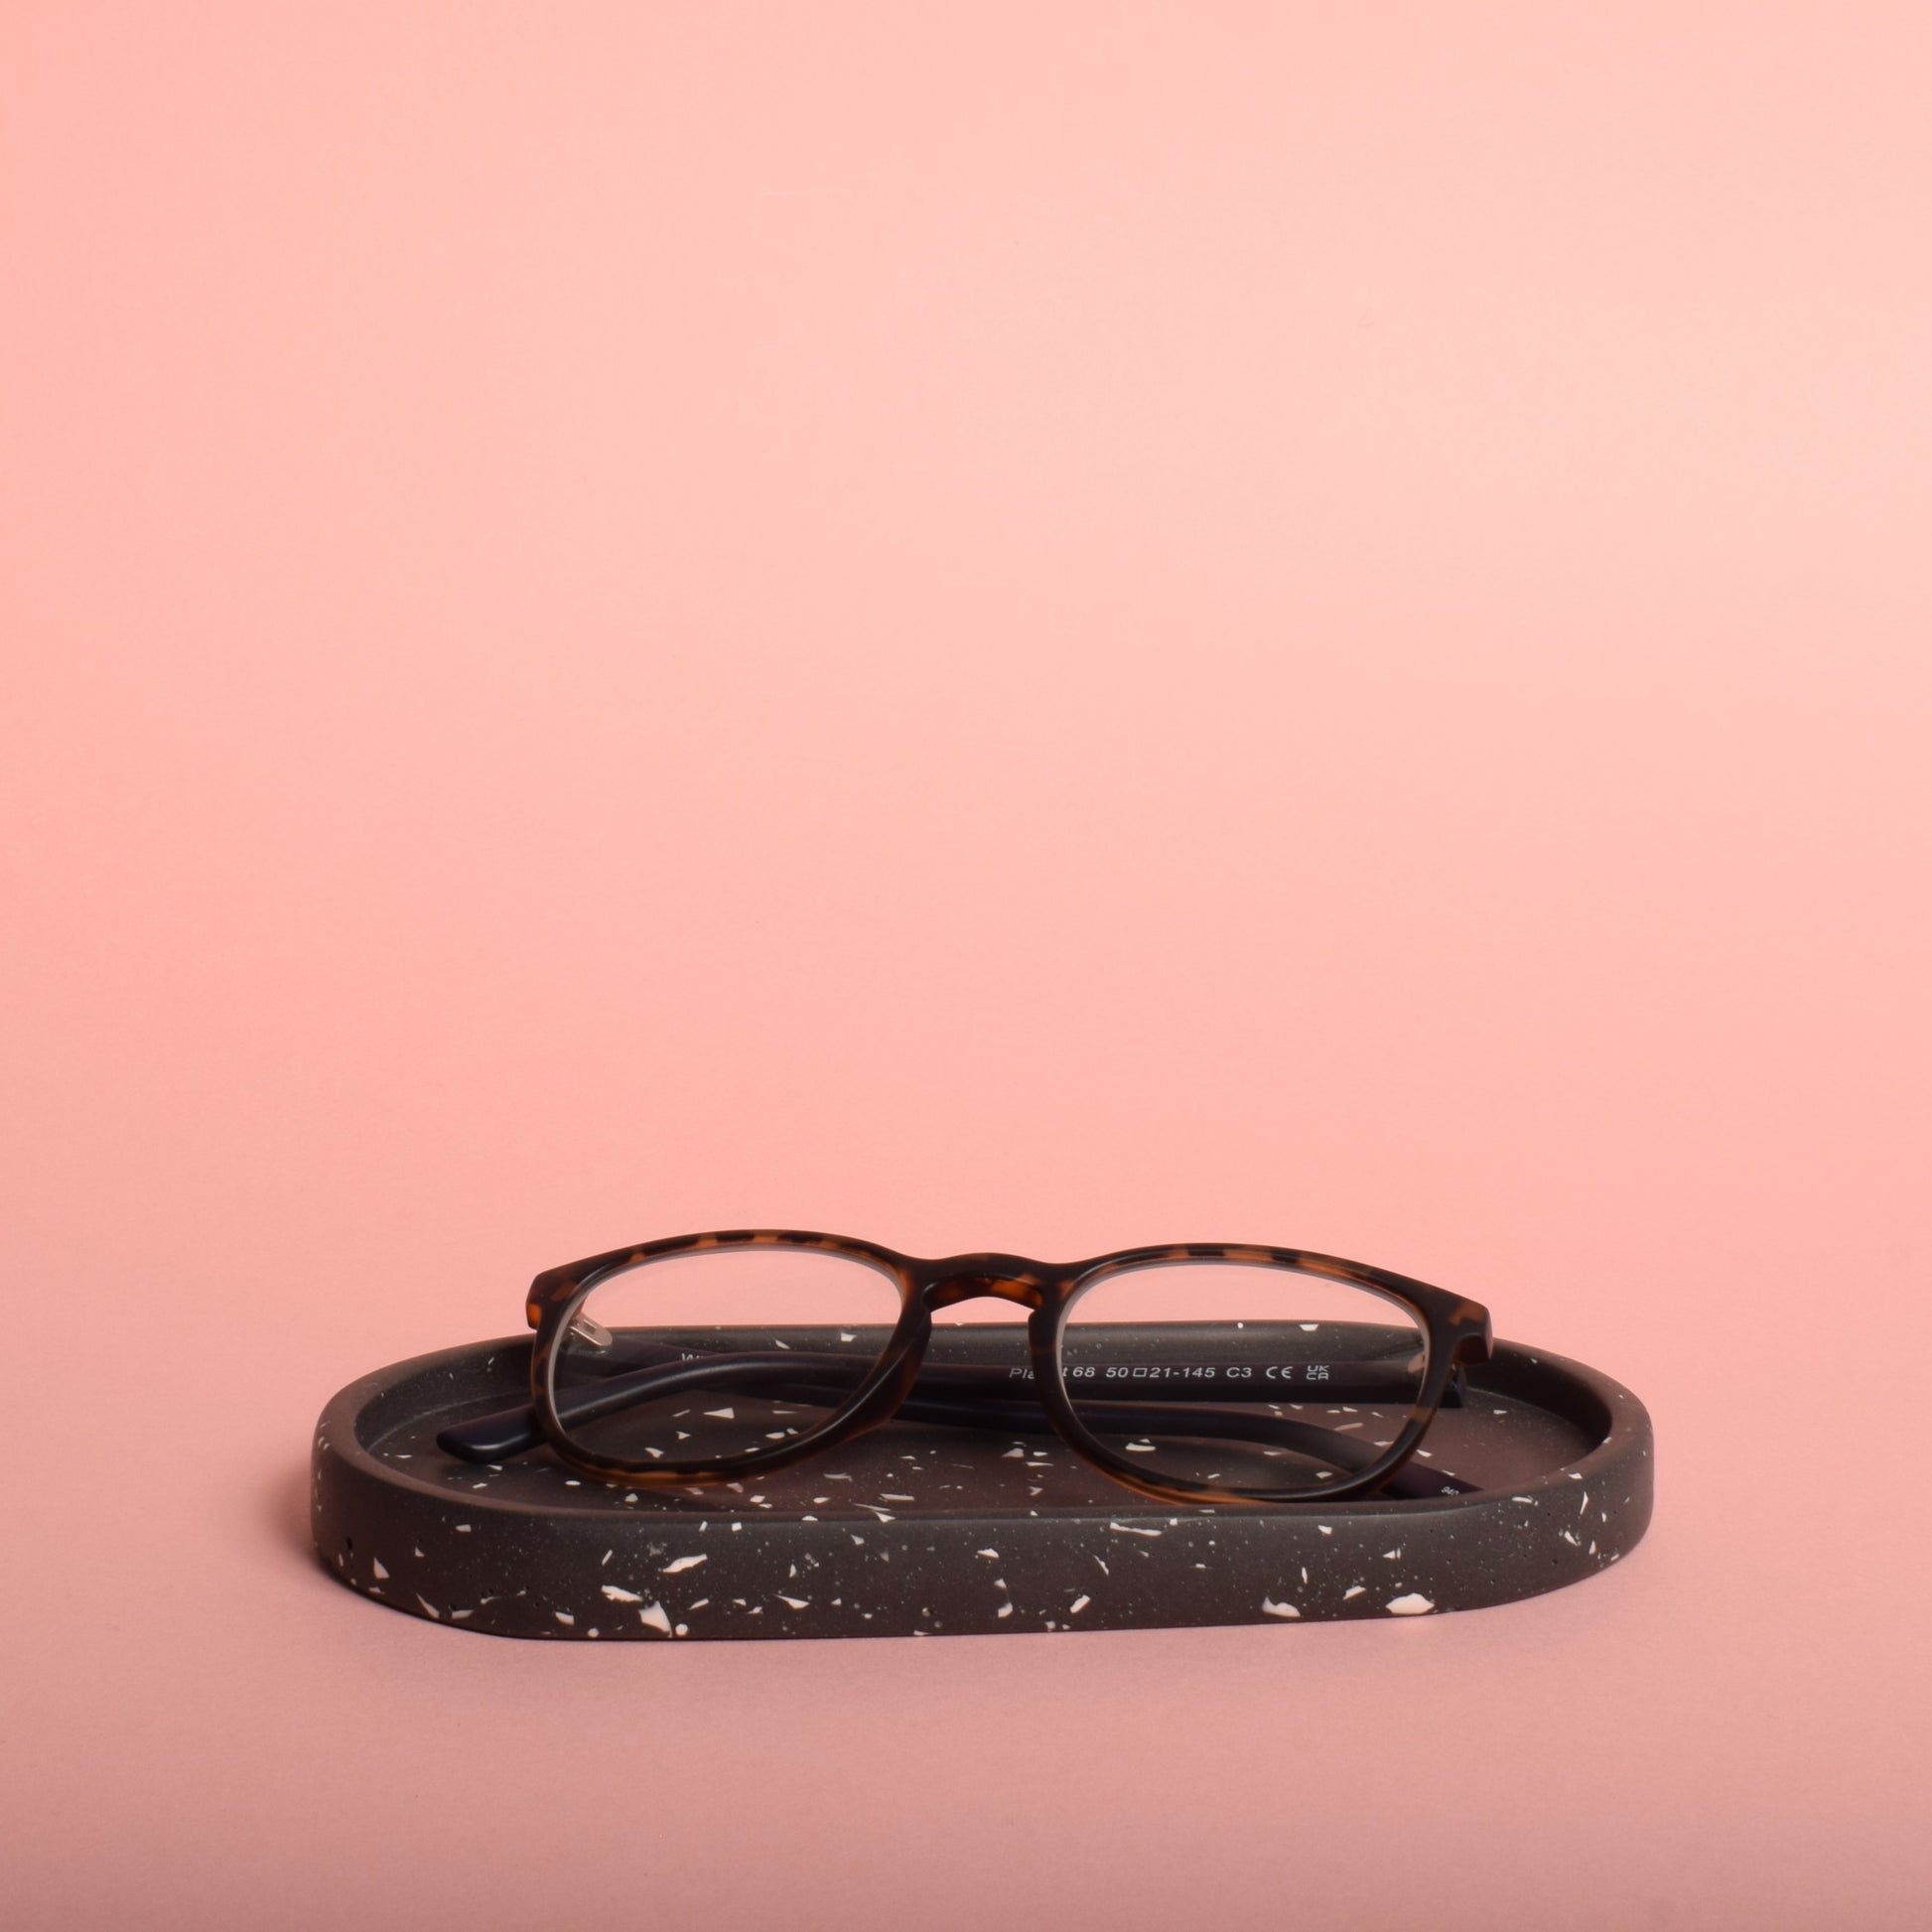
(1019,626)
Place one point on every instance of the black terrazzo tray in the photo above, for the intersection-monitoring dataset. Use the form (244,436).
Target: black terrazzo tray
(917,1531)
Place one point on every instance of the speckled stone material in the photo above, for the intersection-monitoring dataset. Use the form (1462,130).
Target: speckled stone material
(917,1531)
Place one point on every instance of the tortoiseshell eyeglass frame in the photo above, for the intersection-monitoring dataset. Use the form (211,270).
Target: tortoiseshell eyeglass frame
(1455,1331)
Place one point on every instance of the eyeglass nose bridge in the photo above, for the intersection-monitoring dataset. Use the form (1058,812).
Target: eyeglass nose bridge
(973,1278)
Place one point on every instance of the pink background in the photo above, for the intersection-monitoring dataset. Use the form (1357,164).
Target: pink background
(1035,626)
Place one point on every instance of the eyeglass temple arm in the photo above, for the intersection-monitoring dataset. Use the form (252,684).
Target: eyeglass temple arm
(963,1396)
(663,1370)
(1347,1452)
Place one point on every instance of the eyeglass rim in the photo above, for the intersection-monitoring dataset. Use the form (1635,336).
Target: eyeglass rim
(1456,1330)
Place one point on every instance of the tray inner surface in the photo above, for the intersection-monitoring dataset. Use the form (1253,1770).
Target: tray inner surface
(1497,1439)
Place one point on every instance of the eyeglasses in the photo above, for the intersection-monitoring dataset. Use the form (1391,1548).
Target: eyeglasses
(1206,1373)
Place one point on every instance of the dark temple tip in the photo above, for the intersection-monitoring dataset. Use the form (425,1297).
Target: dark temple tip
(490,1439)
